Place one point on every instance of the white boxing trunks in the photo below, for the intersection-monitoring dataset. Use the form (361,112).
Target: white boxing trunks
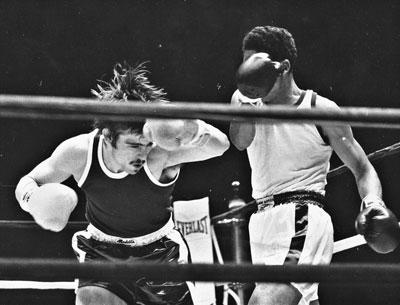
(292,228)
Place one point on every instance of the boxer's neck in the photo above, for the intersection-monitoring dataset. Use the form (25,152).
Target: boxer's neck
(286,92)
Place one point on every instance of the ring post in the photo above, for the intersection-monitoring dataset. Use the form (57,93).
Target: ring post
(237,223)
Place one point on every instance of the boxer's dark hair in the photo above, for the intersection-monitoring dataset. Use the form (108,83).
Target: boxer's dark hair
(277,42)
(129,84)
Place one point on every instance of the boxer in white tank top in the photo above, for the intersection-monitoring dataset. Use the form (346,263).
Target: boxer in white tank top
(289,164)
(298,158)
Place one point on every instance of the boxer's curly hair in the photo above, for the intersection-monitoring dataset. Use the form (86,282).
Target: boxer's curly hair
(277,42)
(129,84)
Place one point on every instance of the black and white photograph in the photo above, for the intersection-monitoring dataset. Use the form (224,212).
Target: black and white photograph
(199,152)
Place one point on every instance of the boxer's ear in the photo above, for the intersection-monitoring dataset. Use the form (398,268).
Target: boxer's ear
(107,134)
(284,66)
(147,132)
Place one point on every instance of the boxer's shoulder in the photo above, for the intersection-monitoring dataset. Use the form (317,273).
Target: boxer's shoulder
(324,102)
(77,145)
(72,153)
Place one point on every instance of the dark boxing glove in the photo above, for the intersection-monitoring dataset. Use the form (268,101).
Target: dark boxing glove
(379,226)
(257,75)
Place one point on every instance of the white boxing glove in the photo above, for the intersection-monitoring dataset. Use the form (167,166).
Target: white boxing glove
(172,134)
(239,99)
(50,205)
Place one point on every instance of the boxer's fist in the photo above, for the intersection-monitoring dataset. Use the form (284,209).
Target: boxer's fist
(380,228)
(257,75)
(51,205)
(171,134)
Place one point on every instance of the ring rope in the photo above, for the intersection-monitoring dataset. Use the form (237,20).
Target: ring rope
(67,108)
(36,285)
(348,243)
(31,224)
(339,246)
(373,157)
(45,107)
(59,269)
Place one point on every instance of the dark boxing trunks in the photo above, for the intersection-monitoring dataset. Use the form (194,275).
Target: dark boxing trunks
(141,290)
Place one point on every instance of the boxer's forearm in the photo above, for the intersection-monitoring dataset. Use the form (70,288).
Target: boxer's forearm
(241,134)
(210,139)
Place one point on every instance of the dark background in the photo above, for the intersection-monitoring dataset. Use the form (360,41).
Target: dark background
(348,52)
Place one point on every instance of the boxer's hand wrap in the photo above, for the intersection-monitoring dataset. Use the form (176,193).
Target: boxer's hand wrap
(370,200)
(24,191)
(380,228)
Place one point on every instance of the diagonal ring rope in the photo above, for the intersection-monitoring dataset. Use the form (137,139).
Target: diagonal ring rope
(375,156)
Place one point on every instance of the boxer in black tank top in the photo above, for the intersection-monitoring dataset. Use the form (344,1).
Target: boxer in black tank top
(128,206)
(127,171)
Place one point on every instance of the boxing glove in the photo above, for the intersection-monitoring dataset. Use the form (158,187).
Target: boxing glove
(174,134)
(239,99)
(257,75)
(51,205)
(380,228)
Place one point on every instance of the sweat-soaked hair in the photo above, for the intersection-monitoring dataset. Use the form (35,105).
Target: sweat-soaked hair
(128,85)
(275,41)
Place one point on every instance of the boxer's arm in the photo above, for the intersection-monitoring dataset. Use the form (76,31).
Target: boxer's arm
(241,134)
(351,153)
(193,141)
(353,156)
(62,163)
(66,160)
(375,222)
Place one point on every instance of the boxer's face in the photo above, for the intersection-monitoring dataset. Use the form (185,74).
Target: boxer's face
(130,152)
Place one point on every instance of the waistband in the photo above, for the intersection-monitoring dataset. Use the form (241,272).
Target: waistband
(133,241)
(305,197)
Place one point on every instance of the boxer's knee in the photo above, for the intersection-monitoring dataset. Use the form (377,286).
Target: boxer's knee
(275,294)
(93,295)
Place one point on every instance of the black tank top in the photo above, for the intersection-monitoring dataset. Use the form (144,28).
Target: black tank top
(130,206)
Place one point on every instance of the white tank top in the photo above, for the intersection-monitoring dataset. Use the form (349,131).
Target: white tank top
(287,157)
